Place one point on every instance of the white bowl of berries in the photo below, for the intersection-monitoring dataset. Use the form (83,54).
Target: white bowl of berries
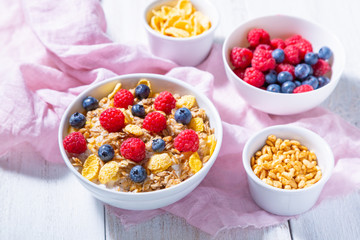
(282,64)
(140,141)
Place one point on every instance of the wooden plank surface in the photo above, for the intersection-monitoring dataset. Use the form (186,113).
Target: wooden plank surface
(41,200)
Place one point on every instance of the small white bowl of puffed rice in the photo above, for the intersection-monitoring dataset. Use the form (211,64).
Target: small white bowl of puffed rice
(287,167)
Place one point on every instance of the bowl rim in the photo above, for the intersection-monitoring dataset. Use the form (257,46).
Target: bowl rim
(299,131)
(213,19)
(194,178)
(333,80)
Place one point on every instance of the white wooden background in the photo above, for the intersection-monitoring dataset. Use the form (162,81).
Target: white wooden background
(41,200)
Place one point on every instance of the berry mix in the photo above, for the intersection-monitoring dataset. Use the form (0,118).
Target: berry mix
(282,66)
(138,141)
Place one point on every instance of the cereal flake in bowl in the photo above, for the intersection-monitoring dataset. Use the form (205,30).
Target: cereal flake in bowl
(142,141)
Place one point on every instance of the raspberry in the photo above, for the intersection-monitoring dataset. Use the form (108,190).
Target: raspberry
(263,47)
(301,43)
(303,88)
(112,119)
(285,67)
(154,122)
(133,149)
(258,36)
(263,60)
(75,143)
(123,98)
(293,40)
(187,141)
(321,68)
(304,47)
(165,102)
(292,54)
(239,72)
(254,77)
(240,57)
(277,43)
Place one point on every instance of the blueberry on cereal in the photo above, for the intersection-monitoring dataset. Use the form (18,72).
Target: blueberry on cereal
(138,110)
(142,91)
(90,103)
(77,120)
(138,174)
(158,145)
(106,152)
(183,115)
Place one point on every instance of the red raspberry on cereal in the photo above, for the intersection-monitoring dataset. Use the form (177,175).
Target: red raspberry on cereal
(292,55)
(240,72)
(123,98)
(164,102)
(303,88)
(187,141)
(285,67)
(133,149)
(154,122)
(321,68)
(263,60)
(112,119)
(75,143)
(254,77)
(240,57)
(258,36)
(277,43)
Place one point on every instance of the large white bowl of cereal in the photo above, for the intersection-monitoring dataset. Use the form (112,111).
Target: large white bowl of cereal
(140,141)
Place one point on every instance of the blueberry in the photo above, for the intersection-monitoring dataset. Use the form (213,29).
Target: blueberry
(325,53)
(77,120)
(323,81)
(297,83)
(158,145)
(302,70)
(288,87)
(138,110)
(278,55)
(284,76)
(311,58)
(271,77)
(183,115)
(142,91)
(90,103)
(106,152)
(138,174)
(312,81)
(273,88)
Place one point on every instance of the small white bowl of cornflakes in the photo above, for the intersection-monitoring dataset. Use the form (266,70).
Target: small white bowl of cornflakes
(181,31)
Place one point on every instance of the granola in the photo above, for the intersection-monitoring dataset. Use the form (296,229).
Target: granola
(163,169)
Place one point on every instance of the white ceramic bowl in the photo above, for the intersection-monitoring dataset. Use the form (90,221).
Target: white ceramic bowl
(184,51)
(144,200)
(281,201)
(280,26)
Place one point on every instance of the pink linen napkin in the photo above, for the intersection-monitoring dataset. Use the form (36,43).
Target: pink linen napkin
(52,51)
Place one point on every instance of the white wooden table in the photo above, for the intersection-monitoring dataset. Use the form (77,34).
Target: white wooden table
(41,200)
